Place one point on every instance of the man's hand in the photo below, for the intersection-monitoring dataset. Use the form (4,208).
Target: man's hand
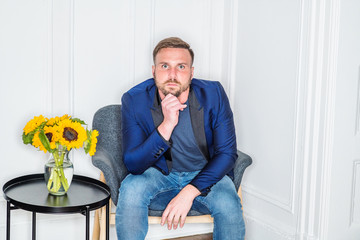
(170,107)
(179,207)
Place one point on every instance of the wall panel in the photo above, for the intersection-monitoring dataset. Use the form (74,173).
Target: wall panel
(23,79)
(266,101)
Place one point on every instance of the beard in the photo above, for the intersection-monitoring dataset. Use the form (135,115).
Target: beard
(176,91)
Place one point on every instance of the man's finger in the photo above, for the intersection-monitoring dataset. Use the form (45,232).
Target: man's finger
(172,102)
(183,106)
(170,221)
(169,98)
(172,99)
(164,216)
(176,221)
(182,221)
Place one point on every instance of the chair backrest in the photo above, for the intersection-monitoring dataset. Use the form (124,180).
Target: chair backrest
(108,156)
(242,162)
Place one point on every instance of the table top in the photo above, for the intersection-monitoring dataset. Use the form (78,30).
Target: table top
(30,193)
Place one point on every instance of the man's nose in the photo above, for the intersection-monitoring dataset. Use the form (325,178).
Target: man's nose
(172,73)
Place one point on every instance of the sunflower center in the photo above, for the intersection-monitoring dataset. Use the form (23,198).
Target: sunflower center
(70,134)
(49,136)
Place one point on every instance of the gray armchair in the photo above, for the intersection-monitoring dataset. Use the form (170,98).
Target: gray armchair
(108,156)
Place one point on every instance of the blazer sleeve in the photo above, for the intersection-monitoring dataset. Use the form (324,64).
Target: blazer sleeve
(141,150)
(224,155)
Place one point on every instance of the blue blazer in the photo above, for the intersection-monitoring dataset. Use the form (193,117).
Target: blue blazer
(212,123)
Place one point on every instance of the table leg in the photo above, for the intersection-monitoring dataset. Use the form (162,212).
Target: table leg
(8,221)
(87,214)
(34,226)
(107,220)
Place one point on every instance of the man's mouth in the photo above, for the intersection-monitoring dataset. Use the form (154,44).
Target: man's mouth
(172,84)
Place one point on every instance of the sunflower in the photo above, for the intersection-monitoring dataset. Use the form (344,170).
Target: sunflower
(37,142)
(72,134)
(55,120)
(52,121)
(34,124)
(52,134)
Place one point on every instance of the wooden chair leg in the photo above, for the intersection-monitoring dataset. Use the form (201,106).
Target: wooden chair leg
(103,224)
(96,230)
(240,195)
(99,231)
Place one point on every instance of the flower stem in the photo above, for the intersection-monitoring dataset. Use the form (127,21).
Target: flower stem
(57,176)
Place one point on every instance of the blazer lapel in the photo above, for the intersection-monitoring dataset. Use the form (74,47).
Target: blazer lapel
(197,122)
(156,112)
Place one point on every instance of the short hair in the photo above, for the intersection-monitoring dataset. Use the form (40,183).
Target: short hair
(173,42)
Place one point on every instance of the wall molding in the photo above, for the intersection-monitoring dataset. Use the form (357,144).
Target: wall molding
(268,198)
(357,120)
(332,41)
(132,38)
(355,194)
(280,233)
(232,51)
(152,28)
(208,18)
(48,70)
(71,58)
(319,70)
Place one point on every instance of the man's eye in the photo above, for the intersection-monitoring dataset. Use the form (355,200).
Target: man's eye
(181,67)
(165,66)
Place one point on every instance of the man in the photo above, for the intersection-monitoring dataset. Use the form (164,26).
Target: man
(179,147)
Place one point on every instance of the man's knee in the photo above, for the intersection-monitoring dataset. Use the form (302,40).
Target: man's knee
(224,199)
(132,190)
(227,204)
(137,188)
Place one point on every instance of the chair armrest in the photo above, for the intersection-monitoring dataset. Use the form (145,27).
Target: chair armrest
(241,164)
(114,173)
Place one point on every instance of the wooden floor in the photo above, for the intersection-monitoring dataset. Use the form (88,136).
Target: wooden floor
(208,236)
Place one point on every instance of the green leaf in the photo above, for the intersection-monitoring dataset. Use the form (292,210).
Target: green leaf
(44,140)
(87,146)
(79,121)
(42,125)
(87,142)
(28,139)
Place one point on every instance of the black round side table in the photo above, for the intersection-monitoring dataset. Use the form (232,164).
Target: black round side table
(29,193)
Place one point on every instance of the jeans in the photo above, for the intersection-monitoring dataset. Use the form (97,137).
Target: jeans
(154,190)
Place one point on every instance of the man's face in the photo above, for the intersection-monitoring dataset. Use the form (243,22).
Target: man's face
(173,71)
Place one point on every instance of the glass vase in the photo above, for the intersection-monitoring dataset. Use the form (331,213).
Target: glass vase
(59,172)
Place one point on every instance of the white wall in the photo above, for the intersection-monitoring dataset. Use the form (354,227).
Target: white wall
(74,57)
(268,110)
(290,68)
(297,110)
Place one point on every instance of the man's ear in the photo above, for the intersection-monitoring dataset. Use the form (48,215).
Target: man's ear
(192,72)
(153,70)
